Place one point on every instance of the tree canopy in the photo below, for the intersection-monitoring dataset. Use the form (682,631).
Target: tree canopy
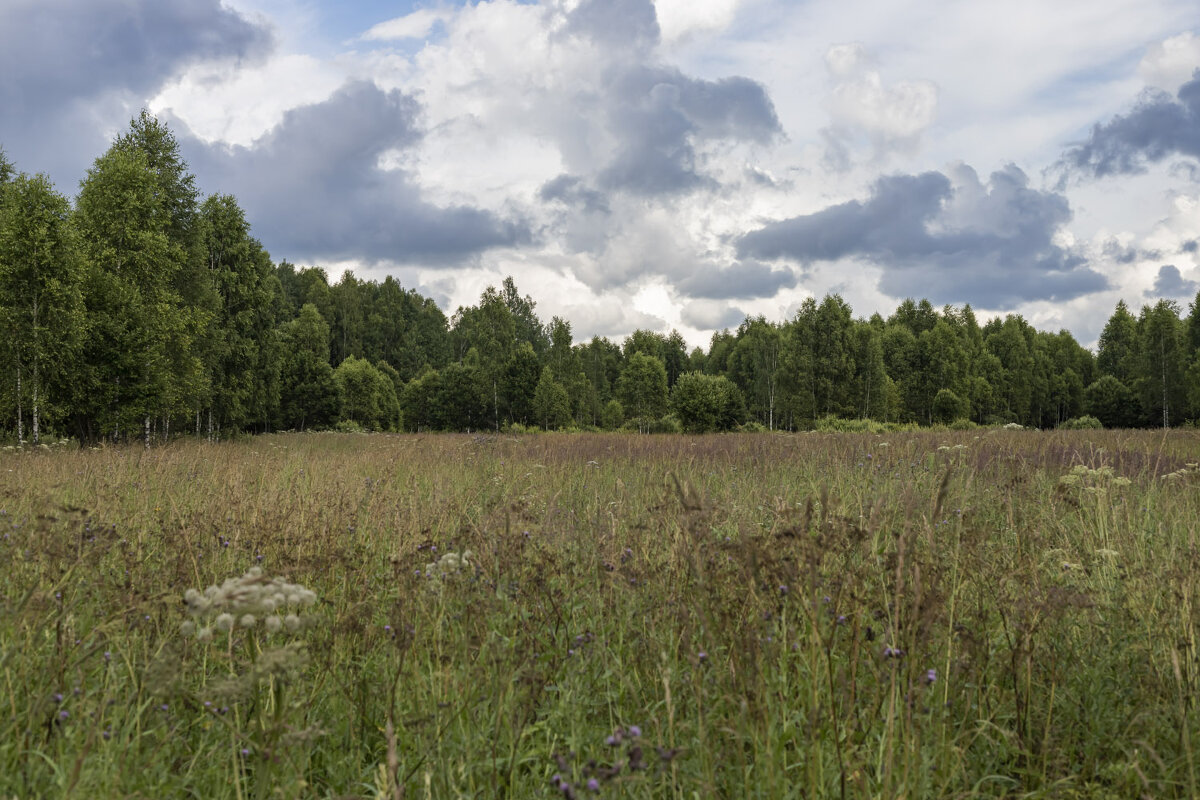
(142,308)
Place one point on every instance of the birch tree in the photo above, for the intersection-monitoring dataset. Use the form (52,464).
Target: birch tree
(40,301)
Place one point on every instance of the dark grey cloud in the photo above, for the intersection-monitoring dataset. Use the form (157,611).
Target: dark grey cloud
(1114,250)
(1190,246)
(745,280)
(658,114)
(67,65)
(312,189)
(1170,283)
(991,244)
(709,316)
(572,191)
(616,23)
(1158,127)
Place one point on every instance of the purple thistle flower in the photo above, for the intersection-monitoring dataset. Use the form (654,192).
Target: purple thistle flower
(593,785)
(635,731)
(930,675)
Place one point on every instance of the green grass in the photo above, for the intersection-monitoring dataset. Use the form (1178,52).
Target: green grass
(740,599)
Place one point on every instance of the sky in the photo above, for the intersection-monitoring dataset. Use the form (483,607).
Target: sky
(661,164)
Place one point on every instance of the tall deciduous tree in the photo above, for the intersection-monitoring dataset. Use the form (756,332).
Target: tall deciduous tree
(308,393)
(551,405)
(490,330)
(642,387)
(1117,354)
(757,363)
(1161,364)
(139,361)
(245,365)
(41,307)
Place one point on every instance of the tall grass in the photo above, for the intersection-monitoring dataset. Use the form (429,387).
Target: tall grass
(919,614)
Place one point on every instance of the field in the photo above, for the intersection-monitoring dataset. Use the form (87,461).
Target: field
(933,614)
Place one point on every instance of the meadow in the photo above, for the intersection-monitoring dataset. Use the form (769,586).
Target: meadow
(985,613)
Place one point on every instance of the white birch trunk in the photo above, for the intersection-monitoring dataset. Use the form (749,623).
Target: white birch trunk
(147,431)
(36,432)
(20,414)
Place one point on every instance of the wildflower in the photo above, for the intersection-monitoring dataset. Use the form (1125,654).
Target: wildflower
(930,675)
(635,731)
(247,621)
(593,785)
(224,622)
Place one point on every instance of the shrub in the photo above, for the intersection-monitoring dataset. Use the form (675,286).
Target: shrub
(833,424)
(613,415)
(707,403)
(948,406)
(1083,423)
(667,424)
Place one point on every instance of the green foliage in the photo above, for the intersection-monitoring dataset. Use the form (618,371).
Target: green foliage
(705,403)
(41,305)
(666,424)
(551,406)
(947,407)
(309,394)
(1111,402)
(359,386)
(138,357)
(642,387)
(1082,424)
(613,416)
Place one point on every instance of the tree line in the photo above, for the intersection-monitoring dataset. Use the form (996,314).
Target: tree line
(141,310)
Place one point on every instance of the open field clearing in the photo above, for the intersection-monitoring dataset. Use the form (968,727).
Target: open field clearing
(931,614)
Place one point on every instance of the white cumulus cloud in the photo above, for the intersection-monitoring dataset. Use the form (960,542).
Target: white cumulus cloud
(861,104)
(417,25)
